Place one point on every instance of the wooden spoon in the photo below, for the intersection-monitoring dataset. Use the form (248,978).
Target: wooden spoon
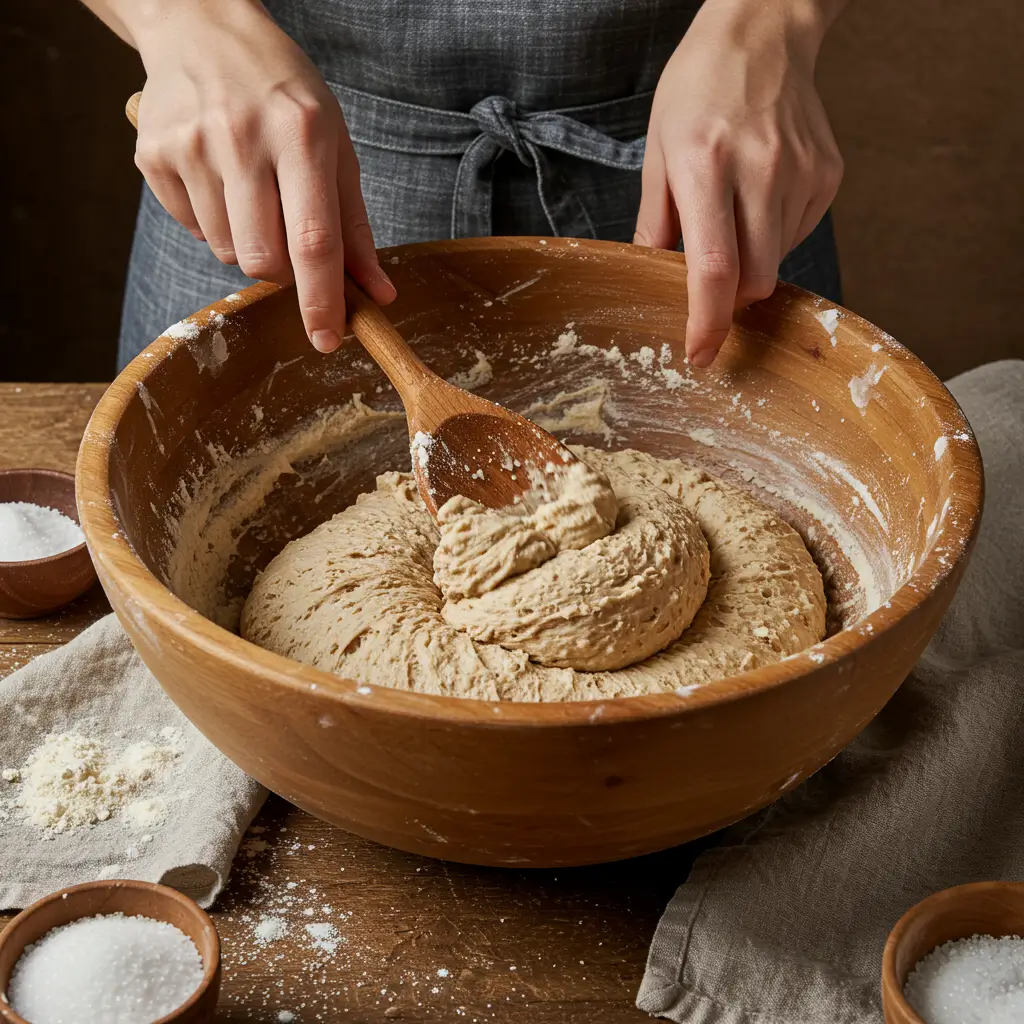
(461,444)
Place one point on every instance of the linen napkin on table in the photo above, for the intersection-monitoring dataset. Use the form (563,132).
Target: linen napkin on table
(785,921)
(97,686)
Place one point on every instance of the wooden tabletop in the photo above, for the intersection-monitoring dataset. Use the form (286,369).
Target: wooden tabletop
(394,936)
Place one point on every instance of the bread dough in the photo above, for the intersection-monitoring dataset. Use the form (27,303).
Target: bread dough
(357,596)
(549,577)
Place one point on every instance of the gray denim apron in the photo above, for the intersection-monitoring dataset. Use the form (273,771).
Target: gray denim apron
(469,118)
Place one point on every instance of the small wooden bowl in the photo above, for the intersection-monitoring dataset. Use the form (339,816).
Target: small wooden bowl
(118,896)
(982,908)
(42,585)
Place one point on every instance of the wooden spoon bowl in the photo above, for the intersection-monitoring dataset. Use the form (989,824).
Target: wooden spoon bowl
(855,443)
(118,896)
(39,586)
(981,908)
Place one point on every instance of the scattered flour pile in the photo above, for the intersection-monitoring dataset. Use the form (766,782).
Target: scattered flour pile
(72,780)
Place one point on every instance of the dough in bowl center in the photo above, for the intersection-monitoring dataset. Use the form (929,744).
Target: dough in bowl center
(632,575)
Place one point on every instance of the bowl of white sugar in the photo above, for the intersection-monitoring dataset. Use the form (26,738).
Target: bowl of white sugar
(44,563)
(958,958)
(110,952)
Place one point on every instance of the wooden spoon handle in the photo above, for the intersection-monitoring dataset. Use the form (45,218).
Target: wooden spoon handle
(388,348)
(131,109)
(404,368)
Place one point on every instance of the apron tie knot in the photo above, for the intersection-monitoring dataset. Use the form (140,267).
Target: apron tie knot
(495,126)
(498,117)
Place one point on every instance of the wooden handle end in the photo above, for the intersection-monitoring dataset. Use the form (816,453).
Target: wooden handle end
(131,109)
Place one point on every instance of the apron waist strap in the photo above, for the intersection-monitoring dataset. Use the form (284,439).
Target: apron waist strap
(494,126)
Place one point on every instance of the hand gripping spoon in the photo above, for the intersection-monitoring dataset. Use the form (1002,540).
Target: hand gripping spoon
(461,444)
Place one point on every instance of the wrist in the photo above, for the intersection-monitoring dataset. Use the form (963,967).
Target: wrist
(150,21)
(798,25)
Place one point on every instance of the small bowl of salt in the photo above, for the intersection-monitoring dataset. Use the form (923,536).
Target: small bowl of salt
(958,958)
(110,952)
(44,563)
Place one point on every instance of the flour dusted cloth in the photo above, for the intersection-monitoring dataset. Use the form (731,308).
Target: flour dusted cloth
(98,687)
(785,921)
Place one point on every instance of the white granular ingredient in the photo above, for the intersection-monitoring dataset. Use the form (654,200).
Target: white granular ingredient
(940,446)
(566,342)
(285,1017)
(860,387)
(479,374)
(30,531)
(979,980)
(829,319)
(148,813)
(109,969)
(421,445)
(270,929)
(324,935)
(187,330)
(72,780)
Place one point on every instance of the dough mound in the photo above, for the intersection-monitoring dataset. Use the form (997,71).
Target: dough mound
(592,599)
(357,596)
(481,548)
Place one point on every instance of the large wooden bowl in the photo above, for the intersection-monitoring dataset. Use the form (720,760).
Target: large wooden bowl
(855,442)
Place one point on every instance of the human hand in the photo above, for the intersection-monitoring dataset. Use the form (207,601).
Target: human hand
(243,143)
(740,157)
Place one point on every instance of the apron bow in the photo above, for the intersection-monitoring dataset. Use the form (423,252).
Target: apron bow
(494,126)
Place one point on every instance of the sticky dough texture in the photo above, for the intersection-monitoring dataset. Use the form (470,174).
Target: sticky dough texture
(578,576)
(356,597)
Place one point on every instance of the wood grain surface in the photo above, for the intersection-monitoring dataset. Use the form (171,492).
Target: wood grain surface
(413,939)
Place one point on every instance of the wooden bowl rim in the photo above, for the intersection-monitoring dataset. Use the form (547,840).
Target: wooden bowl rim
(892,987)
(164,892)
(111,550)
(66,478)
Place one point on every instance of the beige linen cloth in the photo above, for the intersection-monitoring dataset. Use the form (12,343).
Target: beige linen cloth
(97,686)
(784,921)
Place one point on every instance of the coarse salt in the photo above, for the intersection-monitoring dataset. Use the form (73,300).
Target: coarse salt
(109,969)
(30,531)
(979,980)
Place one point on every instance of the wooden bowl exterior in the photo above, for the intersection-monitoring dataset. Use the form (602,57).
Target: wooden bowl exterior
(982,908)
(42,585)
(531,784)
(115,896)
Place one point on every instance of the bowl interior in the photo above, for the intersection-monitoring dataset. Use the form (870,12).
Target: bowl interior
(238,436)
(982,908)
(47,487)
(131,898)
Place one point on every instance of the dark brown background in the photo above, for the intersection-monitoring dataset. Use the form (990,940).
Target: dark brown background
(926,96)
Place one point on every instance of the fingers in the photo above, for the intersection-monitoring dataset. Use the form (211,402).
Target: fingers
(206,194)
(167,186)
(705,200)
(657,224)
(360,253)
(257,229)
(824,176)
(758,232)
(307,181)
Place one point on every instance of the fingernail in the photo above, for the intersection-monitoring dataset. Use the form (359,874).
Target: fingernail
(703,358)
(325,340)
(384,277)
